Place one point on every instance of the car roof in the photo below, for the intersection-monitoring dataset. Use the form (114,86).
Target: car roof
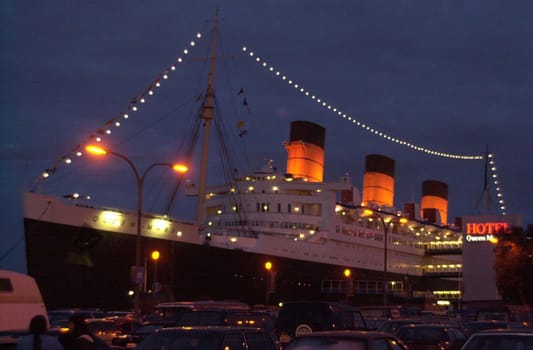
(209,329)
(429,325)
(404,320)
(350,334)
(203,304)
(486,322)
(99,319)
(511,331)
(321,303)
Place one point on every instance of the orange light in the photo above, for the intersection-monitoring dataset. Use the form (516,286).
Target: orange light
(155,255)
(97,150)
(268,265)
(403,220)
(180,168)
(494,240)
(347,273)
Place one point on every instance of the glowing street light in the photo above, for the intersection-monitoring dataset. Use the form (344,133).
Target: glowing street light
(155,255)
(347,273)
(180,168)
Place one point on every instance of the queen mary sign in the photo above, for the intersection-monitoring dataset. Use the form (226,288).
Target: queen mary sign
(479,236)
(485,231)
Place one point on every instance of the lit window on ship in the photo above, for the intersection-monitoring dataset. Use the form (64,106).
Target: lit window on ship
(112,218)
(159,225)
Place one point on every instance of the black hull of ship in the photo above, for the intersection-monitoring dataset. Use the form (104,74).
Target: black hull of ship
(84,267)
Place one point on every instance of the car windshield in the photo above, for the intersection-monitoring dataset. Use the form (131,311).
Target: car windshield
(54,316)
(324,343)
(478,326)
(101,326)
(500,341)
(189,341)
(149,328)
(422,334)
(201,318)
(392,326)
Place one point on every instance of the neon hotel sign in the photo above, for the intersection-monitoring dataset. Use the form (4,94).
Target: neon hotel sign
(484,231)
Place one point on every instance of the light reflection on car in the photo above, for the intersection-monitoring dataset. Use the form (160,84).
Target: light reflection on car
(346,339)
(508,339)
(209,338)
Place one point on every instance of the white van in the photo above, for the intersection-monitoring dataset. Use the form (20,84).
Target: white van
(20,301)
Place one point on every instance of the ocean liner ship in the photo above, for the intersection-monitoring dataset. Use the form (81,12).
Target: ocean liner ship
(308,229)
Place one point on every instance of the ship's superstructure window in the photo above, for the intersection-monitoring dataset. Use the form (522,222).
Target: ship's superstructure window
(6,285)
(214,210)
(404,238)
(313,209)
(279,207)
(268,227)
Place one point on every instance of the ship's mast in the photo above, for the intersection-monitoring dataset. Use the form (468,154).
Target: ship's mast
(485,202)
(207,116)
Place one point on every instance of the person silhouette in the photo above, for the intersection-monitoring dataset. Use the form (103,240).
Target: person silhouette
(37,339)
(79,337)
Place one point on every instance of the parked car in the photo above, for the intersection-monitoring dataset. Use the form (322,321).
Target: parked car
(335,340)
(126,324)
(65,314)
(170,311)
(209,338)
(58,327)
(120,313)
(425,336)
(103,328)
(496,339)
(223,317)
(376,315)
(302,317)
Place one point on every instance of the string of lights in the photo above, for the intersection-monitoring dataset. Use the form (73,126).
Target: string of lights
(137,101)
(116,122)
(322,102)
(495,179)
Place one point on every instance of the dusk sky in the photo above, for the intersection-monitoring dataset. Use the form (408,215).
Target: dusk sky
(454,77)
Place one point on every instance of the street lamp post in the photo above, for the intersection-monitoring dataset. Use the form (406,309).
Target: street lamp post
(385,262)
(349,285)
(155,258)
(401,220)
(370,212)
(268,268)
(97,150)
